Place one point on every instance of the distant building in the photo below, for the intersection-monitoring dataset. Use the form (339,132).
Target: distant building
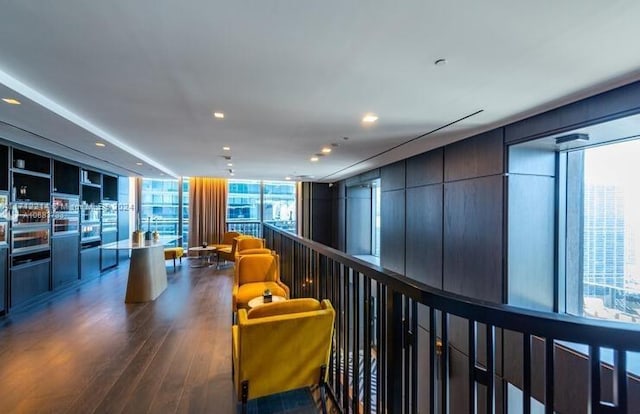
(604,243)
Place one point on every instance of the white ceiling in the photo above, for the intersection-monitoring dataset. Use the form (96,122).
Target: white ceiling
(293,76)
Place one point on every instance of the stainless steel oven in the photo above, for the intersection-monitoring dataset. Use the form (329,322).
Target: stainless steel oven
(65,215)
(90,231)
(29,239)
(27,213)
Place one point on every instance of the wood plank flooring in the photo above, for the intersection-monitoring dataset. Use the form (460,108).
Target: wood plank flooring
(86,351)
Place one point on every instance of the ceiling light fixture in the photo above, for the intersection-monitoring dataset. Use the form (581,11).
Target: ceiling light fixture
(230,164)
(326,150)
(11,101)
(369,118)
(287,178)
(226,148)
(218,115)
(314,159)
(100,144)
(138,163)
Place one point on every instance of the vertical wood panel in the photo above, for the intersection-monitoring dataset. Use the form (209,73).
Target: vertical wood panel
(473,248)
(474,157)
(426,168)
(392,230)
(392,177)
(424,234)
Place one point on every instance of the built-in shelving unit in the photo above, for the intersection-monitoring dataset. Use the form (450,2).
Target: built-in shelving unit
(51,224)
(4,226)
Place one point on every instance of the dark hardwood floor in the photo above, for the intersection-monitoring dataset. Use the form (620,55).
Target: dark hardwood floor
(85,350)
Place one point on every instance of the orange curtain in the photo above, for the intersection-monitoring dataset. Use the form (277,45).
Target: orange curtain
(207,210)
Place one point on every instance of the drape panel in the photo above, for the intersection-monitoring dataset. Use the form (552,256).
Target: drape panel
(207,210)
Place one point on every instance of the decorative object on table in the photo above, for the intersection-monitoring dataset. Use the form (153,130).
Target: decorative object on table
(20,163)
(156,234)
(137,237)
(204,245)
(147,234)
(267,297)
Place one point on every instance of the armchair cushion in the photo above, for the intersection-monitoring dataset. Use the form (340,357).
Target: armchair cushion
(253,274)
(284,308)
(249,291)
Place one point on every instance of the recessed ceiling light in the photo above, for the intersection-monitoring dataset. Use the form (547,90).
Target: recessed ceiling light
(369,118)
(226,148)
(218,115)
(287,178)
(229,164)
(138,163)
(231,174)
(11,101)
(314,159)
(100,144)
(326,150)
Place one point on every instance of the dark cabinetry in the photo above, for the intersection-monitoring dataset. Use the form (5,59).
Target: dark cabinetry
(90,261)
(51,214)
(66,178)
(29,277)
(65,264)
(108,258)
(109,187)
(4,252)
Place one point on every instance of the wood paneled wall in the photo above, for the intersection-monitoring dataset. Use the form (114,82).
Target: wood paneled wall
(445,215)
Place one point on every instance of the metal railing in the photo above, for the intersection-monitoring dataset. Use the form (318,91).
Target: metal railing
(377,350)
(254,228)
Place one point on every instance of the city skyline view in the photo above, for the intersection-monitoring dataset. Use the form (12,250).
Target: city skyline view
(611,274)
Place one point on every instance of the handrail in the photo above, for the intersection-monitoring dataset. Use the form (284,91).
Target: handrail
(353,283)
(559,326)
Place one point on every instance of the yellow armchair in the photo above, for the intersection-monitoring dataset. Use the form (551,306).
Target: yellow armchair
(228,253)
(282,346)
(253,274)
(248,243)
(227,240)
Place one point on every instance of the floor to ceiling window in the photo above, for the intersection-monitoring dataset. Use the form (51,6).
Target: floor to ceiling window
(251,202)
(161,202)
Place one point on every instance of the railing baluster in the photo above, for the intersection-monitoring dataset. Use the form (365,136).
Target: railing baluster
(444,362)
(472,365)
(526,373)
(414,356)
(594,377)
(433,350)
(355,351)
(382,349)
(491,367)
(620,379)
(549,374)
(366,397)
(347,331)
(406,343)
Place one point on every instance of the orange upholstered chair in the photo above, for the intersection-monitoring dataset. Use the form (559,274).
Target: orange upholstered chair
(254,274)
(282,346)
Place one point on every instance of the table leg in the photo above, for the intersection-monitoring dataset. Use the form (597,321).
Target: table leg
(147,275)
